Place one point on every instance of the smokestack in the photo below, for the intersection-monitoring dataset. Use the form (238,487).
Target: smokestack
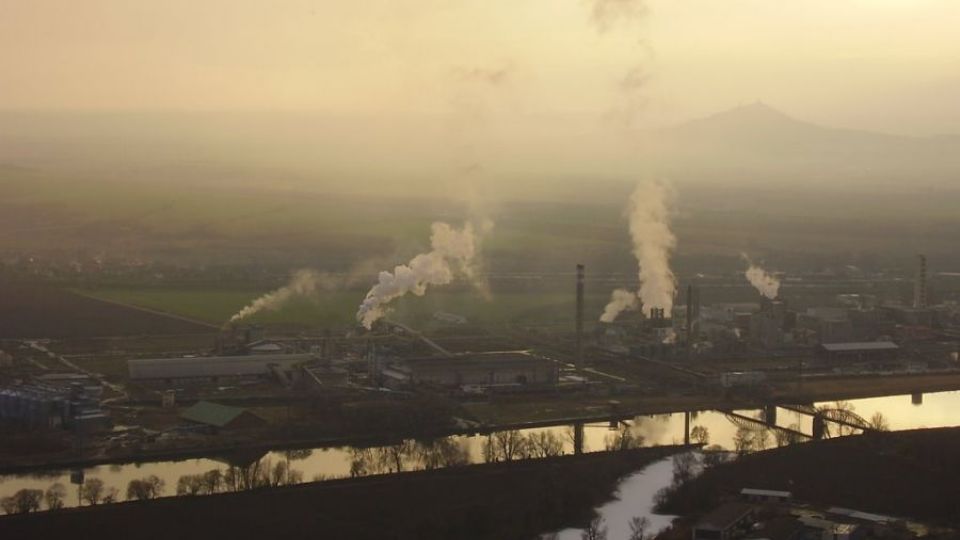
(579,316)
(920,285)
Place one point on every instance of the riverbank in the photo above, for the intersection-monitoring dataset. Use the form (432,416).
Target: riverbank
(518,499)
(514,412)
(910,474)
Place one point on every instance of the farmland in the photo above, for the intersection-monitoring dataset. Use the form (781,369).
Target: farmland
(338,307)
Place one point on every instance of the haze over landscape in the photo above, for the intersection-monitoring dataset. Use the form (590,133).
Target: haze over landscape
(480,269)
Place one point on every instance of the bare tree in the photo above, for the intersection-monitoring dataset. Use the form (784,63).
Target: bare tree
(212,481)
(879,422)
(8,505)
(112,495)
(92,491)
(505,445)
(146,488)
(625,438)
(23,501)
(743,441)
(684,467)
(545,444)
(55,496)
(596,530)
(638,528)
(700,434)
(190,484)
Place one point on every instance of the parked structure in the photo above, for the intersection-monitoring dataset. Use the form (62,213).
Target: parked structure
(724,522)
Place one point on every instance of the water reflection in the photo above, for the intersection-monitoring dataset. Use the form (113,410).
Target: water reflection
(712,428)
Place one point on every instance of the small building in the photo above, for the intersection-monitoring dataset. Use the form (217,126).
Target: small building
(724,522)
(867,352)
(765,495)
(219,417)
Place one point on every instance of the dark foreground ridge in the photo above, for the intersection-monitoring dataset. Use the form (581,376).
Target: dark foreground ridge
(519,499)
(911,474)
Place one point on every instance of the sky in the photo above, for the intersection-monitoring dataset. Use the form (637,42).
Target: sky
(887,65)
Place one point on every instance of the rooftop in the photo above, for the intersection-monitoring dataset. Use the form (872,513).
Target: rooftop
(861,346)
(766,493)
(213,414)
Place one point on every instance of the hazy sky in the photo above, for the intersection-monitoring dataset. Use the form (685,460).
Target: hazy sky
(891,65)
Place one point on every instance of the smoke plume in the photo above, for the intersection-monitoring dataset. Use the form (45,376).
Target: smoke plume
(765,283)
(304,283)
(454,252)
(620,300)
(605,14)
(653,243)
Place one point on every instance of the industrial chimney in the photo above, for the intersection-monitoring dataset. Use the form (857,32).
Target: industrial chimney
(579,361)
(920,285)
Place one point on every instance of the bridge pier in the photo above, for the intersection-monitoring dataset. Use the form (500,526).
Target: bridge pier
(578,438)
(686,427)
(770,414)
(819,426)
(916,398)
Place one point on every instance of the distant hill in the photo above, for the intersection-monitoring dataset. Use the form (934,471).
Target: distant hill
(758,138)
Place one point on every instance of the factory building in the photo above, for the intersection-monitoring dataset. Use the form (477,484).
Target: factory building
(215,368)
(516,369)
(40,406)
(870,352)
(767,325)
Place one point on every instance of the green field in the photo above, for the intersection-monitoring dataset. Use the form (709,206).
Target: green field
(338,308)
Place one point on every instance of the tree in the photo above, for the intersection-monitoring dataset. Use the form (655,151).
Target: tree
(8,505)
(879,422)
(684,467)
(190,484)
(596,530)
(212,481)
(700,434)
(743,441)
(544,444)
(23,501)
(506,445)
(92,491)
(112,495)
(638,528)
(623,439)
(714,455)
(54,496)
(146,488)
(761,438)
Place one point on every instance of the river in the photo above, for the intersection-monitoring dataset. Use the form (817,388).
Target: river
(901,412)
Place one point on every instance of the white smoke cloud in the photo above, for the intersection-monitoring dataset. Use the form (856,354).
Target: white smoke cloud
(620,300)
(454,252)
(653,243)
(765,283)
(304,283)
(605,14)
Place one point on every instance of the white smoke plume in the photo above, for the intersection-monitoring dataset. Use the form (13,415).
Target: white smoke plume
(765,283)
(620,300)
(605,14)
(454,252)
(653,243)
(304,283)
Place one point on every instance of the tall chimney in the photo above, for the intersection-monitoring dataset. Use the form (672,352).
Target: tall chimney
(689,319)
(920,285)
(579,351)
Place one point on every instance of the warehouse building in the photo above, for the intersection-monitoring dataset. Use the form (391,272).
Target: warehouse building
(490,369)
(868,352)
(215,417)
(215,368)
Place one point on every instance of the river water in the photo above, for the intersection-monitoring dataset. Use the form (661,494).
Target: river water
(901,412)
